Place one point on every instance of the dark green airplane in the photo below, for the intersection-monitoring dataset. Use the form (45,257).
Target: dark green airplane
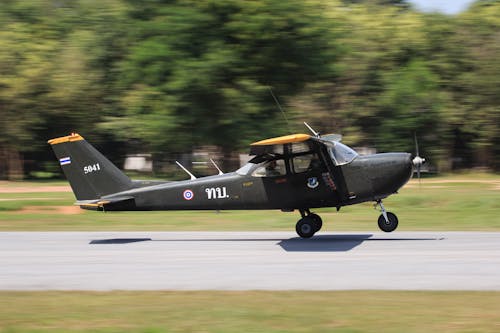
(291,172)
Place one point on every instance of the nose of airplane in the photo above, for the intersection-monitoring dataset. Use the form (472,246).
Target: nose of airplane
(394,170)
(403,169)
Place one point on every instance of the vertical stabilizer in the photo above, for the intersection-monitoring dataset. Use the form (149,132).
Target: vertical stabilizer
(90,174)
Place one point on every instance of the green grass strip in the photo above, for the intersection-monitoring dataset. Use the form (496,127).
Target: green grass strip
(252,311)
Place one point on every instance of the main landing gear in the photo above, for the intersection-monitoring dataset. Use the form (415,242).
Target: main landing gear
(387,221)
(309,224)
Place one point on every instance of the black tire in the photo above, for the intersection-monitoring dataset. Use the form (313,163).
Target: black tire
(388,226)
(318,222)
(305,227)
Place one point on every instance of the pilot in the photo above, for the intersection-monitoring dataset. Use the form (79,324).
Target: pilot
(271,169)
(315,164)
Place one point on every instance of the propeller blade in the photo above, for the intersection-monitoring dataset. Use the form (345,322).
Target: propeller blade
(416,144)
(417,160)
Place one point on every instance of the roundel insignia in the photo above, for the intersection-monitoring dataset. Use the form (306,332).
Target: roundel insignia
(188,194)
(312,182)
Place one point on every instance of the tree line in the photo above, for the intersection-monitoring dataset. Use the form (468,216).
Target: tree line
(166,76)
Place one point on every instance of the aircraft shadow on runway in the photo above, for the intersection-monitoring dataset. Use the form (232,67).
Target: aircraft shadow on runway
(119,240)
(324,243)
(319,243)
(336,243)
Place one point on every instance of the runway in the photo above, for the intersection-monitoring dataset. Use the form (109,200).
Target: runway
(249,261)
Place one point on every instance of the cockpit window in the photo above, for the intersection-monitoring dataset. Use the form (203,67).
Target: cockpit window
(341,154)
(303,163)
(299,147)
(272,168)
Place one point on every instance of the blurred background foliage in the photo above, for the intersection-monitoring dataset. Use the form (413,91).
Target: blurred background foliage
(164,77)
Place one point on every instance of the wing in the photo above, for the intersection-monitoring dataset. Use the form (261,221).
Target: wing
(274,146)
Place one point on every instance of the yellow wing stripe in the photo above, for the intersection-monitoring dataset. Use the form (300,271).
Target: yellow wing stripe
(282,140)
(68,138)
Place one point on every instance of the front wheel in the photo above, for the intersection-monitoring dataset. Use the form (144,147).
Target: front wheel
(305,227)
(390,225)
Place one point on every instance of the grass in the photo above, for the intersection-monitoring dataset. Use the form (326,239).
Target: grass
(454,202)
(251,311)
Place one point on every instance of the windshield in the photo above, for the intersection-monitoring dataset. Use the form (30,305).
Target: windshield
(244,170)
(271,168)
(341,154)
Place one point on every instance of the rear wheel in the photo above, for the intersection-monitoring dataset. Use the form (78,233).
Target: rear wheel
(306,227)
(390,225)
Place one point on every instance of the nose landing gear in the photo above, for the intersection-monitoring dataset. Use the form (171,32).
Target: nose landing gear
(387,221)
(309,224)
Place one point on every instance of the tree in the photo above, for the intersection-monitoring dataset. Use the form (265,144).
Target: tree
(55,61)
(476,89)
(200,71)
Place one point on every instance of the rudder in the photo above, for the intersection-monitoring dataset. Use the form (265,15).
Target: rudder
(90,174)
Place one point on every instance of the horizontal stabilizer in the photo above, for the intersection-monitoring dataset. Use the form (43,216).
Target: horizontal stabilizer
(107,204)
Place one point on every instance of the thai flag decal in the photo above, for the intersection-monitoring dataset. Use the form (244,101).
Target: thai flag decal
(65,160)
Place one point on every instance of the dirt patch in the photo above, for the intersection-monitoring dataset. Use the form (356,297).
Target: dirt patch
(29,189)
(64,210)
(34,198)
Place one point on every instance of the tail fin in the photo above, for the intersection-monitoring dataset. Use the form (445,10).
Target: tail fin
(90,174)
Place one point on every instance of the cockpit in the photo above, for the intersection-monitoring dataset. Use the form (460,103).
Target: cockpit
(266,168)
(297,157)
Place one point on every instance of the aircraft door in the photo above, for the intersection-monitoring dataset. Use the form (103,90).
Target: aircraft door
(268,186)
(311,181)
(333,176)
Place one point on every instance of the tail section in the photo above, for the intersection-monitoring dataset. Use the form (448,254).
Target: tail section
(90,174)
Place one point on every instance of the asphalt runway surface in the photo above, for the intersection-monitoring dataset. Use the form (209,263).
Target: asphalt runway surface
(249,261)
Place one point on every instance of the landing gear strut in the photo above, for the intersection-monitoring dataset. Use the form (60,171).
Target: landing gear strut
(387,221)
(309,224)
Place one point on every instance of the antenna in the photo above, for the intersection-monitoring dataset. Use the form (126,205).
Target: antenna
(316,134)
(217,167)
(279,107)
(183,168)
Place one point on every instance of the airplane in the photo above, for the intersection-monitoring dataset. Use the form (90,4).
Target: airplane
(293,172)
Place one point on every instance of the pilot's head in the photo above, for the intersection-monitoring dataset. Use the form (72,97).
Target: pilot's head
(271,165)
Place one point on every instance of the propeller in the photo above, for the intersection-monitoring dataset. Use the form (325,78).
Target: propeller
(417,160)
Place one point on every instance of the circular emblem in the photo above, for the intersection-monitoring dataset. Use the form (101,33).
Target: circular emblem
(312,182)
(188,195)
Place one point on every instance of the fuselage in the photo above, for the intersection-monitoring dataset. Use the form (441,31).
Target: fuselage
(365,178)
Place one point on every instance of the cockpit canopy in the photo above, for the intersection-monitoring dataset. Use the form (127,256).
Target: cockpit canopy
(341,154)
(297,153)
